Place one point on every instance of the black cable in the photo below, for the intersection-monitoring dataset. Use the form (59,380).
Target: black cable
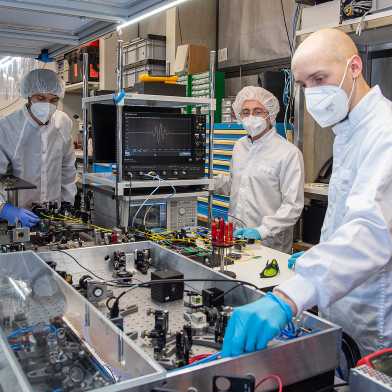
(226,292)
(353,346)
(328,389)
(80,265)
(350,351)
(115,305)
(287,30)
(107,302)
(107,282)
(154,282)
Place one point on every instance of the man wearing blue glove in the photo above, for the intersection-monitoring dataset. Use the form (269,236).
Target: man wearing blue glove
(36,145)
(266,180)
(348,274)
(293,259)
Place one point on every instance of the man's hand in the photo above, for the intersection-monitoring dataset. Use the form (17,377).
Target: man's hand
(252,326)
(293,259)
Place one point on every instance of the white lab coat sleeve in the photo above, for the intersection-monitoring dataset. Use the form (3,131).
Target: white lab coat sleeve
(362,244)
(68,172)
(292,190)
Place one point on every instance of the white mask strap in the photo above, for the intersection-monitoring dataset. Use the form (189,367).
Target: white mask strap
(345,71)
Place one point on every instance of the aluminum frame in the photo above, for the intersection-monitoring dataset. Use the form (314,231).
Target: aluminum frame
(307,356)
(148,370)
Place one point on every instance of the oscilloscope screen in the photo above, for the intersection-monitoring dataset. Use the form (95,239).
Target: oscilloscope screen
(157,137)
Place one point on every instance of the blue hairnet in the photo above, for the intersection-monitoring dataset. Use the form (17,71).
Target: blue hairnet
(44,81)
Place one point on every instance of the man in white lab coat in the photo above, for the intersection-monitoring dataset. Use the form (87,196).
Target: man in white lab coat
(36,145)
(349,274)
(266,180)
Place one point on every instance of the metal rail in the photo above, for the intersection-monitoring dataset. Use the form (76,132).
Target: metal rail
(211,134)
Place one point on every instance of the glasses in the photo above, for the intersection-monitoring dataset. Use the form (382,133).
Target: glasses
(255,112)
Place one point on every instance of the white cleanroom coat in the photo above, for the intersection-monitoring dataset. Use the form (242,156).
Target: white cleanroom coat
(266,187)
(349,274)
(42,155)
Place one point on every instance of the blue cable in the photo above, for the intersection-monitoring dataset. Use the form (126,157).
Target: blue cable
(24,330)
(210,358)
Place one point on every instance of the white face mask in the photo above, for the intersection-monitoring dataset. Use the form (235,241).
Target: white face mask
(328,105)
(43,111)
(254,125)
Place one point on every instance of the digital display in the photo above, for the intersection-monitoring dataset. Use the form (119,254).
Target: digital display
(383,363)
(157,137)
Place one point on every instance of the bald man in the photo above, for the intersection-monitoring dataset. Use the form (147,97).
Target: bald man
(349,274)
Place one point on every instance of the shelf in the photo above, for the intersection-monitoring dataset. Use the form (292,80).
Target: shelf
(374,20)
(151,100)
(109,180)
(170,196)
(77,88)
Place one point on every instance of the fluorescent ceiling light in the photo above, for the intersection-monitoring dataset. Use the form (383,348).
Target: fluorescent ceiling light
(137,19)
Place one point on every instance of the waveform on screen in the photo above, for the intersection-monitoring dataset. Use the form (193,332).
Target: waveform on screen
(160,134)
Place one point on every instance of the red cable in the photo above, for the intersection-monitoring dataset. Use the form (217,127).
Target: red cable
(271,377)
(199,357)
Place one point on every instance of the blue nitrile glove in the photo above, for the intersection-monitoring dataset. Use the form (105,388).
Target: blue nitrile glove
(247,234)
(14,214)
(252,326)
(293,259)
(238,233)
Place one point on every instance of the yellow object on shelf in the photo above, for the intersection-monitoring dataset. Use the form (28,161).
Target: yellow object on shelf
(230,132)
(158,79)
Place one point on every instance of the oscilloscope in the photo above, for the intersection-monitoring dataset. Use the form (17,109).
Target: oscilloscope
(168,144)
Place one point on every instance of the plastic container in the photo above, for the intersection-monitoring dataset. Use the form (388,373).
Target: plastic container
(141,49)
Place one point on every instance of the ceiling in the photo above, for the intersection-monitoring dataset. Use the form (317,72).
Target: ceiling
(27,27)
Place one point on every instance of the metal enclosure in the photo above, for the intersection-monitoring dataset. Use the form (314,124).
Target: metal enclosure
(23,277)
(294,360)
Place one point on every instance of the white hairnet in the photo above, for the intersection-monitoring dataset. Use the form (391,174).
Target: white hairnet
(44,81)
(266,98)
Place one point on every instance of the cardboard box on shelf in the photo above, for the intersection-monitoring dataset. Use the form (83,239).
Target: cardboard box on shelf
(191,59)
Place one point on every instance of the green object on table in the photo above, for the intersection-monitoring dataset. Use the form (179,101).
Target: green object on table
(271,269)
